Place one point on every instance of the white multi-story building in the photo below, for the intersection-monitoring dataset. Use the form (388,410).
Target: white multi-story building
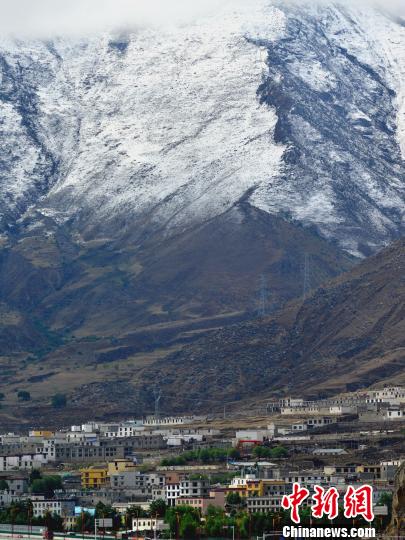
(172,492)
(148,524)
(10,438)
(130,428)
(47,449)
(252,435)
(394,395)
(61,507)
(171,420)
(22,462)
(239,482)
(395,413)
(82,437)
(309,479)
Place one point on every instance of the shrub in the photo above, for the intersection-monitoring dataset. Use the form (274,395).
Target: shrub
(59,401)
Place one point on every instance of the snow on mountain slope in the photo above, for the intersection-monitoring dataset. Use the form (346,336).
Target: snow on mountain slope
(391,36)
(168,114)
(297,107)
(331,83)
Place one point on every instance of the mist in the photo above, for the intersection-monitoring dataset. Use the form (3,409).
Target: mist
(43,18)
(47,18)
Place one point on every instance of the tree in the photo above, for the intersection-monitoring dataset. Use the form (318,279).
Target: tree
(46,485)
(204,455)
(158,508)
(183,521)
(261,452)
(188,526)
(134,512)
(23,395)
(17,513)
(107,511)
(35,474)
(233,499)
(233,453)
(3,485)
(279,452)
(53,522)
(85,522)
(215,521)
(385,498)
(59,401)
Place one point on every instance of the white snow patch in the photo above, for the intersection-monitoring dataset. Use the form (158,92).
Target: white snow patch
(315,75)
(171,128)
(380,42)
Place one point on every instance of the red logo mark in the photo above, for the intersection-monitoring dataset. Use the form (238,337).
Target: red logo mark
(326,503)
(294,501)
(359,502)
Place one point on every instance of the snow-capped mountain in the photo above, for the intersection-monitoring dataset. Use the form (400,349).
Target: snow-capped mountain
(299,109)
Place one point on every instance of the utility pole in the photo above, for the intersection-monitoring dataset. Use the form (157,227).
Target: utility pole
(155,531)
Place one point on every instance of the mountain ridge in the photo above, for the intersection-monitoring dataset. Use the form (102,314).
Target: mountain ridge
(167,185)
(310,349)
(300,107)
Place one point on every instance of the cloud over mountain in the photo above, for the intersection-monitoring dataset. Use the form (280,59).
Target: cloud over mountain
(46,18)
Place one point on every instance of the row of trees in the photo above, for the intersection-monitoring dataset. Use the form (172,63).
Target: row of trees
(183,521)
(267,452)
(20,513)
(202,455)
(220,455)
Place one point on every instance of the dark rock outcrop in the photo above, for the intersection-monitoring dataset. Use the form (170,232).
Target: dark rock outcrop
(397,526)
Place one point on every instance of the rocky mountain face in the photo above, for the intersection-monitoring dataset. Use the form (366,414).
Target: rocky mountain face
(295,107)
(335,80)
(397,526)
(349,334)
(161,183)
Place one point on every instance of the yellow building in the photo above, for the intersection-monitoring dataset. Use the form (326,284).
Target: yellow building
(42,433)
(120,465)
(246,487)
(253,487)
(94,477)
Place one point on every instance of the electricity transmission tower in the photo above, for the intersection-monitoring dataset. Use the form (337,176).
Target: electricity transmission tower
(157,394)
(307,277)
(263,296)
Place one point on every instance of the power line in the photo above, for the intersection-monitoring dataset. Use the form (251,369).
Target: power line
(263,296)
(307,277)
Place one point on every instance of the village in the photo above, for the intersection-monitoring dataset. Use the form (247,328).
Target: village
(192,476)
